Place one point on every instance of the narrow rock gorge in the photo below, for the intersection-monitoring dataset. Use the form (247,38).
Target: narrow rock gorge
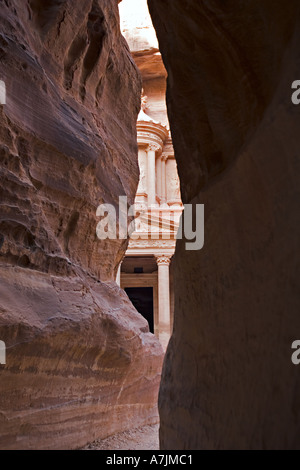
(228,380)
(81,364)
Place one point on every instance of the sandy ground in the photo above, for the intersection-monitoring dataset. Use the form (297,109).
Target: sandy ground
(145,438)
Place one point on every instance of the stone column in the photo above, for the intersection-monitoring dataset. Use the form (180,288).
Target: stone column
(164,316)
(151,174)
(158,177)
(164,158)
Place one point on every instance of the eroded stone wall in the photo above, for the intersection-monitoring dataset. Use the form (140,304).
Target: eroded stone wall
(228,380)
(80,364)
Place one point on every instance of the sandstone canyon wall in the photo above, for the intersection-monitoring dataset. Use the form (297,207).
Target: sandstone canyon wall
(81,363)
(228,380)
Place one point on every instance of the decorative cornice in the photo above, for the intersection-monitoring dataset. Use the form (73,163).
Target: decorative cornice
(150,243)
(148,132)
(147,138)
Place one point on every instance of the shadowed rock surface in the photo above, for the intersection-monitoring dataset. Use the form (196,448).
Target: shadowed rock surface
(81,364)
(228,380)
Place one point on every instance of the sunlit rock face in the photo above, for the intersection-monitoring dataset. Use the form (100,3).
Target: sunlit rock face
(137,26)
(138,30)
(80,362)
(228,380)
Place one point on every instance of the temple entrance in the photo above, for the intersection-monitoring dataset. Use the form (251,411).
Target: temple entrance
(148,281)
(142,299)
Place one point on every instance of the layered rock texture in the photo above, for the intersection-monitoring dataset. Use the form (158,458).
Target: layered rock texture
(81,363)
(228,380)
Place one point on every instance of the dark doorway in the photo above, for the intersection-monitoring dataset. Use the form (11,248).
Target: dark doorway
(142,299)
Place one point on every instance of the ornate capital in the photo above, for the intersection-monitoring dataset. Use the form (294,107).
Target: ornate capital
(163,260)
(153,148)
(164,157)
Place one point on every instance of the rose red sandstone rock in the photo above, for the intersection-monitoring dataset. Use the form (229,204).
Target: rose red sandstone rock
(228,380)
(81,364)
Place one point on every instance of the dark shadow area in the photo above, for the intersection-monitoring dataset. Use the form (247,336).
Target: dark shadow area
(142,299)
